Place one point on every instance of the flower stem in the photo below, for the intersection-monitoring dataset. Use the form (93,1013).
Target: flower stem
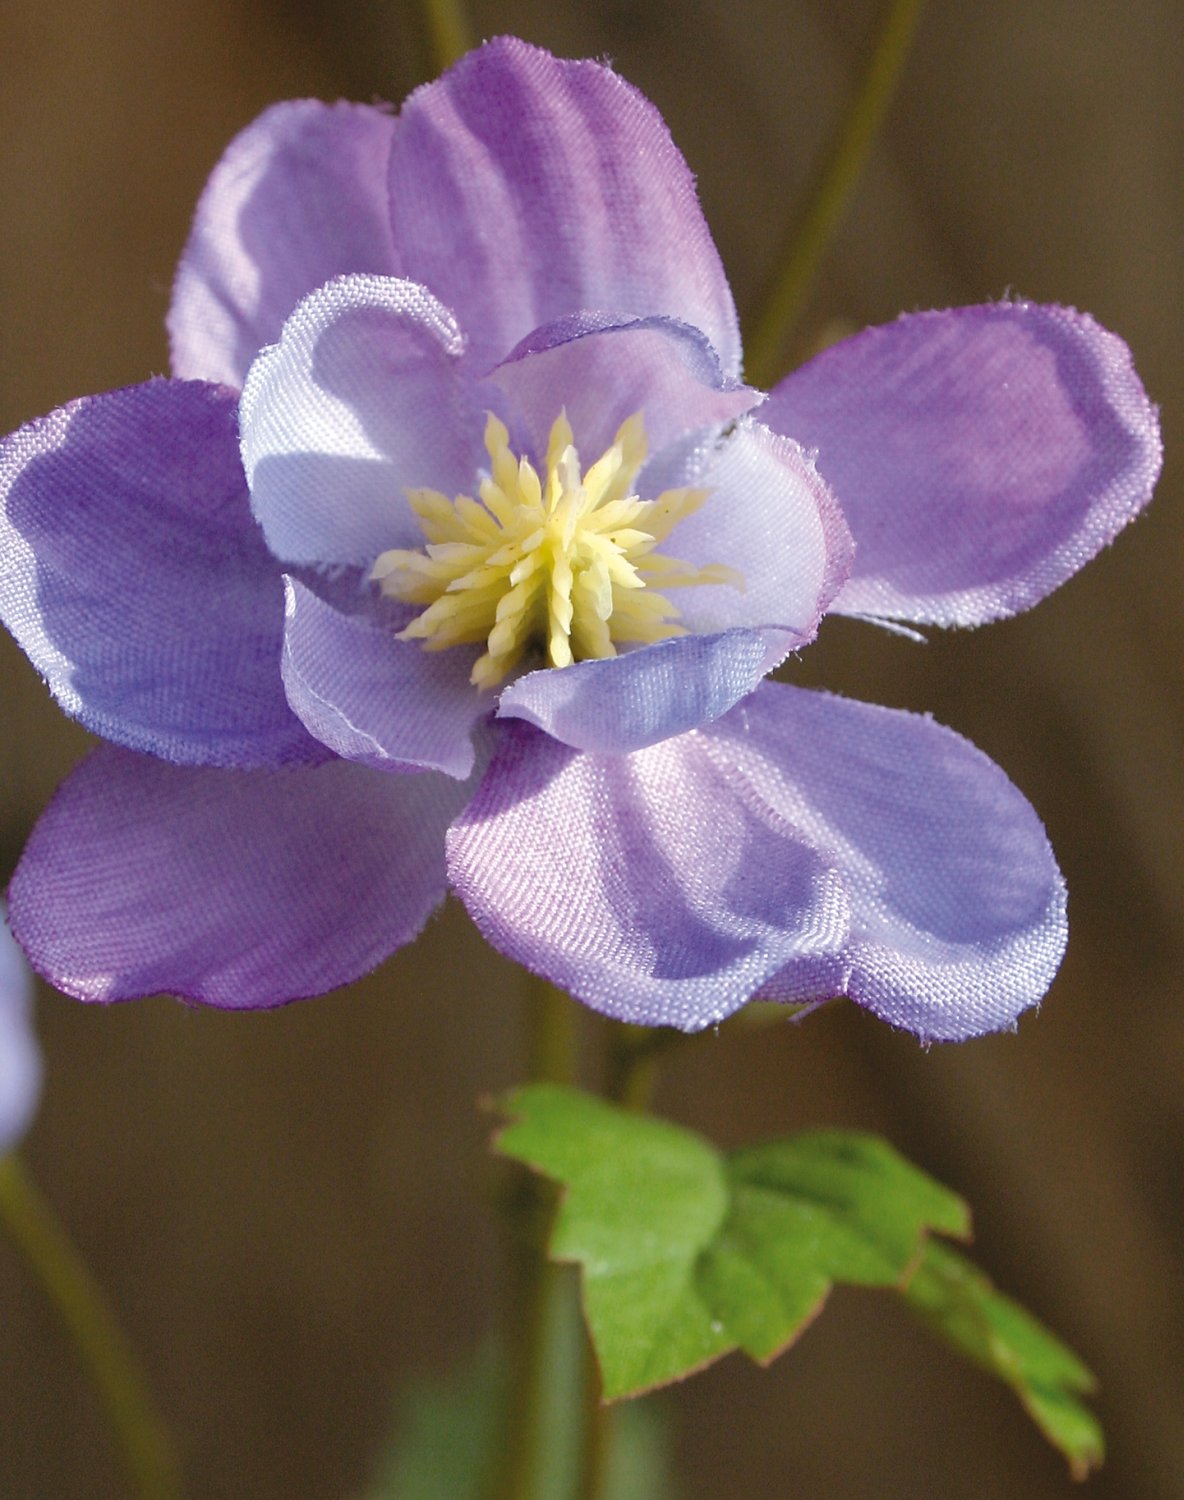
(537,1288)
(828,195)
(86,1317)
(449,31)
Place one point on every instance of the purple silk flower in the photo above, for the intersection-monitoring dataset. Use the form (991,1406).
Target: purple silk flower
(20,1057)
(456,553)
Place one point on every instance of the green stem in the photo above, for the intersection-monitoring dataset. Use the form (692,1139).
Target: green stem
(536,1286)
(828,195)
(88,1320)
(449,31)
(598,1429)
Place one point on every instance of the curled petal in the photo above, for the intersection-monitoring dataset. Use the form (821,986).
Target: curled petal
(650,886)
(525,187)
(375,699)
(627,702)
(239,889)
(298,197)
(981,456)
(957,905)
(132,573)
(770,517)
(601,371)
(361,400)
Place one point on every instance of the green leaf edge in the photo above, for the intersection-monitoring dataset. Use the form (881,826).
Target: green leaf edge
(960,1304)
(549,1120)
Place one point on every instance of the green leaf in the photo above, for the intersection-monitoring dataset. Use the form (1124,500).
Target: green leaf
(955,1300)
(687,1254)
(644,1200)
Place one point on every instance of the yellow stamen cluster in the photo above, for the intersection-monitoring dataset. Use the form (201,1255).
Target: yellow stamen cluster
(560,566)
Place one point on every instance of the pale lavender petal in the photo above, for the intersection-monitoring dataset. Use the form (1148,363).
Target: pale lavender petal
(600,373)
(132,573)
(375,699)
(240,889)
(957,905)
(525,188)
(981,456)
(20,1057)
(650,886)
(771,517)
(627,702)
(360,400)
(300,196)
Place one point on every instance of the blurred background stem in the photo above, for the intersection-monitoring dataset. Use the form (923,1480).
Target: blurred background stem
(827,196)
(90,1324)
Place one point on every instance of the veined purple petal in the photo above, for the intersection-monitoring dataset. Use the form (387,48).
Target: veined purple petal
(240,889)
(981,456)
(360,400)
(375,699)
(650,886)
(601,372)
(627,702)
(132,573)
(20,1057)
(299,197)
(957,906)
(525,188)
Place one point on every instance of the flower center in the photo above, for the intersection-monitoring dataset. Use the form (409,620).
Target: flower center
(561,566)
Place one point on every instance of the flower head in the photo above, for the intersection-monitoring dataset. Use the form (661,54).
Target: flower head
(458,552)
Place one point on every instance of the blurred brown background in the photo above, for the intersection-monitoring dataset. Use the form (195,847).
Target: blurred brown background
(290,1210)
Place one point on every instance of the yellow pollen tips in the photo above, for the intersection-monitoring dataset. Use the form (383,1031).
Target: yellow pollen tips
(560,565)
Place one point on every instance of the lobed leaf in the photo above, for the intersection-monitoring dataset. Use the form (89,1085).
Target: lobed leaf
(688,1254)
(959,1303)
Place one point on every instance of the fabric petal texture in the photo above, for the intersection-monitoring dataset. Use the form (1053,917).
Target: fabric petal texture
(772,518)
(238,889)
(957,905)
(360,400)
(601,374)
(480,578)
(524,188)
(981,456)
(375,699)
(649,886)
(20,1056)
(298,198)
(132,573)
(627,702)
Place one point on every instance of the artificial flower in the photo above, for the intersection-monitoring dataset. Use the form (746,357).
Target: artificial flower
(457,552)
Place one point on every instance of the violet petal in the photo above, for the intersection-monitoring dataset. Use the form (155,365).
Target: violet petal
(981,456)
(239,889)
(135,578)
(361,399)
(957,905)
(20,1056)
(298,197)
(650,886)
(375,699)
(525,187)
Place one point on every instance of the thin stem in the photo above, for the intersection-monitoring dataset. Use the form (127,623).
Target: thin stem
(535,1292)
(449,31)
(599,1427)
(88,1320)
(633,1056)
(829,194)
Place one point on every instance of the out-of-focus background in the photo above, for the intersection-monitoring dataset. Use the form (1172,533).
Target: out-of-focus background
(291,1210)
